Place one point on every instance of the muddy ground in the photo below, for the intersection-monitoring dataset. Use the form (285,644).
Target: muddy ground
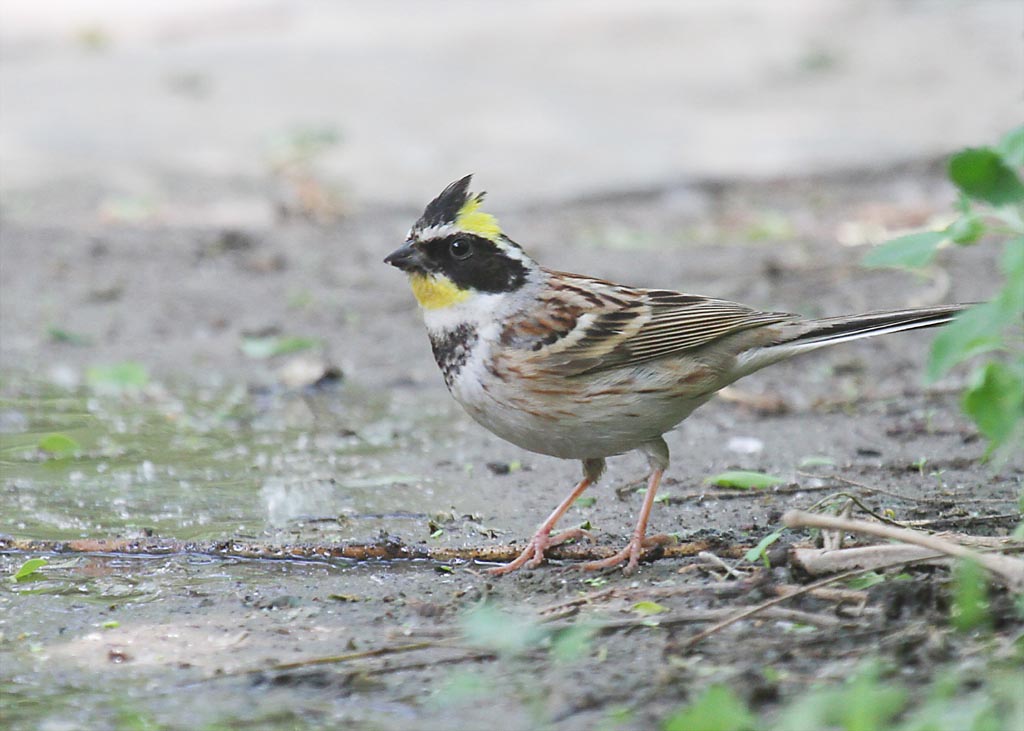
(215,444)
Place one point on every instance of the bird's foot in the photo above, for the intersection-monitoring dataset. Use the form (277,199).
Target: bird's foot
(630,554)
(533,555)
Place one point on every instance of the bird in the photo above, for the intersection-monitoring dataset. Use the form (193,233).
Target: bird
(581,368)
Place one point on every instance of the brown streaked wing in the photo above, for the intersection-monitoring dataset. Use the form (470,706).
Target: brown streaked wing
(635,326)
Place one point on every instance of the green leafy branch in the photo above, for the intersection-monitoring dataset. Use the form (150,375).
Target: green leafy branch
(991,206)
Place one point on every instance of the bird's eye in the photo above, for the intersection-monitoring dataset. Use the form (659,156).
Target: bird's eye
(460,249)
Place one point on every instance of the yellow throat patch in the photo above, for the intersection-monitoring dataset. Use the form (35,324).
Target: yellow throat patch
(436,292)
(472,220)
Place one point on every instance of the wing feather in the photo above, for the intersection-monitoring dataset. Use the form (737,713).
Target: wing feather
(624,326)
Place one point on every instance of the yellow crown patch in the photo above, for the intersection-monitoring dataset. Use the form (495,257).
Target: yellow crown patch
(472,220)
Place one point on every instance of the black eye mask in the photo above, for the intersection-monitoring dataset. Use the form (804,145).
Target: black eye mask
(473,262)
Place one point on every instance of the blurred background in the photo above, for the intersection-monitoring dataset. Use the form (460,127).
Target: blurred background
(199,340)
(194,109)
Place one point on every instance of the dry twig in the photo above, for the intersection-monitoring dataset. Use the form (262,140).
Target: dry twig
(694,616)
(1007,569)
(962,520)
(703,495)
(766,605)
(820,561)
(381,551)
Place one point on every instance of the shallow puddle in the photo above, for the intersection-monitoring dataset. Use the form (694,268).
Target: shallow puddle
(210,465)
(88,641)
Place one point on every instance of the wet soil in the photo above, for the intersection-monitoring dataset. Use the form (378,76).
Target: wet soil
(217,444)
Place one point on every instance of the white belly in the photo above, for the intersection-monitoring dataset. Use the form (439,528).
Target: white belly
(585,417)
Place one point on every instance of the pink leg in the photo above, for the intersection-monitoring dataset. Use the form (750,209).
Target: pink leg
(631,553)
(533,554)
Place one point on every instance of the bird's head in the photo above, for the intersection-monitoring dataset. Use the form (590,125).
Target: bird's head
(456,251)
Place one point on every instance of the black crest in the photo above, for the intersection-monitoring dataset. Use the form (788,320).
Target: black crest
(445,208)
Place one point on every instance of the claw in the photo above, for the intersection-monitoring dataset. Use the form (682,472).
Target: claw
(631,554)
(634,549)
(533,555)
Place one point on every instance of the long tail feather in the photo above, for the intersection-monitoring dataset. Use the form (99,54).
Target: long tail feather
(813,334)
(832,330)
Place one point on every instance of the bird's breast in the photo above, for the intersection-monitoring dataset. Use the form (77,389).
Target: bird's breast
(453,349)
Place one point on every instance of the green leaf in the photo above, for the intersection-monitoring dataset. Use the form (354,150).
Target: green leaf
(808,711)
(132,719)
(865,581)
(743,480)
(717,709)
(262,348)
(981,173)
(863,703)
(963,203)
(60,335)
(30,567)
(912,251)
(460,688)
(489,628)
(1012,265)
(127,376)
(646,609)
(572,643)
(587,501)
(759,552)
(1011,147)
(970,596)
(974,331)
(995,400)
(59,445)
(868,703)
(967,229)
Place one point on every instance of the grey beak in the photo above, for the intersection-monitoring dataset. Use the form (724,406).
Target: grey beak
(406,257)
